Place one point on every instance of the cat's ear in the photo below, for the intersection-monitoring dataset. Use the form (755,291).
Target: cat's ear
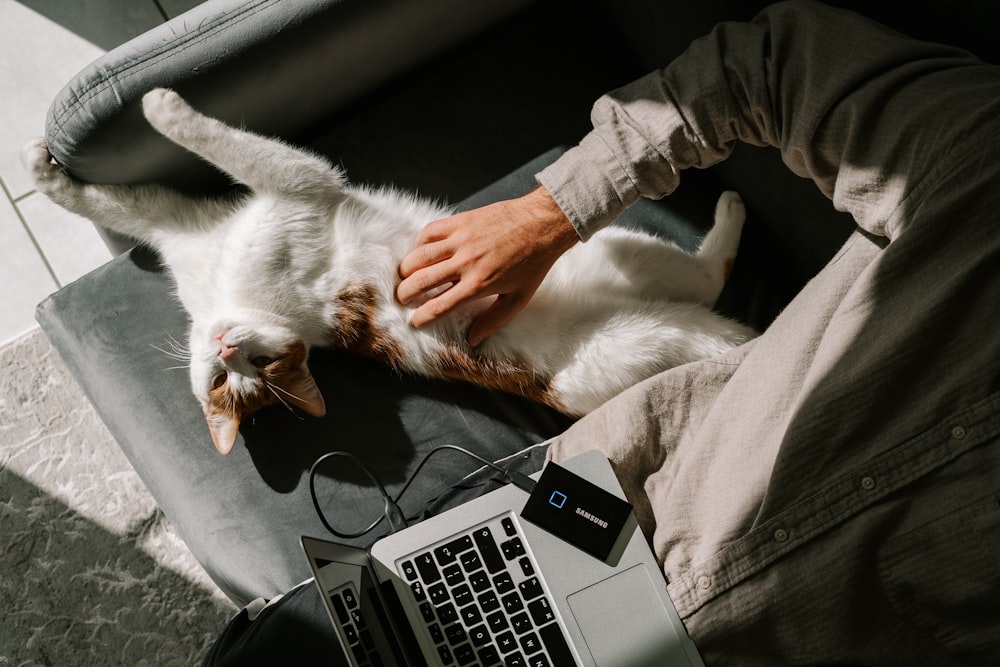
(224,428)
(300,389)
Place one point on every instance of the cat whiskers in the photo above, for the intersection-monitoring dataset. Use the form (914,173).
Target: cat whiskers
(274,389)
(176,351)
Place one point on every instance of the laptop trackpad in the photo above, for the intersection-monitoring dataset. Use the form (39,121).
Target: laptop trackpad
(625,623)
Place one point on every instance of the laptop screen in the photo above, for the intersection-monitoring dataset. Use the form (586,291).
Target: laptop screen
(360,608)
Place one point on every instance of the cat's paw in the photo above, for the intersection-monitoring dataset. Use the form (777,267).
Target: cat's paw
(164,108)
(730,209)
(38,161)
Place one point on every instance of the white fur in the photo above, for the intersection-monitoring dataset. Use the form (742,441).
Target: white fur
(260,272)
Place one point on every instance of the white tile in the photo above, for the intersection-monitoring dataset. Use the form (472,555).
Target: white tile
(24,278)
(104,23)
(69,242)
(37,58)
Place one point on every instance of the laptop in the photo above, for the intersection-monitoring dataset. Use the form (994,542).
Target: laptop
(572,583)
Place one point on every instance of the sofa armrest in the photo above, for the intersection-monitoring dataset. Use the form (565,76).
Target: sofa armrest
(274,67)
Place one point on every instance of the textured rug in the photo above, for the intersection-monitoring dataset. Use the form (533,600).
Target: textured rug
(91,573)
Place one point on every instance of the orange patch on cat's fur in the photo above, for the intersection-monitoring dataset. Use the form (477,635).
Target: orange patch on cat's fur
(357,332)
(456,363)
(287,376)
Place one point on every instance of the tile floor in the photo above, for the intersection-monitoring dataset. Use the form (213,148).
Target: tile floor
(43,44)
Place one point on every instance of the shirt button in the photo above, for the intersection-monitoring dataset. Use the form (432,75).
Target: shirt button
(704,582)
(958,432)
(867,483)
(781,535)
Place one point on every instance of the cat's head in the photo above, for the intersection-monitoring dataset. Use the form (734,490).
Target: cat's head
(238,369)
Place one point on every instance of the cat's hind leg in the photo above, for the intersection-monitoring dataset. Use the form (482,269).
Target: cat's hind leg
(261,163)
(137,211)
(719,247)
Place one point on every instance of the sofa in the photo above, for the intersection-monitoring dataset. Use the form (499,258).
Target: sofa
(456,100)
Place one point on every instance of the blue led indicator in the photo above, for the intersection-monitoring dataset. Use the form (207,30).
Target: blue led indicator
(557,499)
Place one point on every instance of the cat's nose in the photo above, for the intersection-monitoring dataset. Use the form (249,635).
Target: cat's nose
(227,352)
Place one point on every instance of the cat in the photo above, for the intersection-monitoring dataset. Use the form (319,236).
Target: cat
(304,259)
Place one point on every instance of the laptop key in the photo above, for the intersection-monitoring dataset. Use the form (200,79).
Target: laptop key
(555,644)
(488,601)
(447,553)
(438,594)
(488,547)
(521,623)
(488,656)
(512,602)
(447,613)
(408,570)
(506,642)
(513,548)
(453,575)
(503,582)
(444,652)
(462,595)
(479,635)
(428,569)
(530,588)
(455,634)
(465,655)
(471,561)
(530,643)
(418,591)
(541,611)
(470,615)
(339,608)
(497,621)
(514,660)
(480,581)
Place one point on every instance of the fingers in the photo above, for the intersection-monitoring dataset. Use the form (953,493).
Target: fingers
(425,269)
(443,303)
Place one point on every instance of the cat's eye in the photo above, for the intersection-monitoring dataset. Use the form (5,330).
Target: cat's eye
(219,380)
(261,362)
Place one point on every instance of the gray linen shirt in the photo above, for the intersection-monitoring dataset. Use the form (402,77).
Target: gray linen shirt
(827,493)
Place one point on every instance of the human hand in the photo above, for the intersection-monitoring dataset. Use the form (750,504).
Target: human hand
(503,249)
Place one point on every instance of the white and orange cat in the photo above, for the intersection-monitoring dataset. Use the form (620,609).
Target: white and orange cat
(304,259)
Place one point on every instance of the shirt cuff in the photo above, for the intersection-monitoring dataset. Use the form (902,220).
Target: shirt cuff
(589,185)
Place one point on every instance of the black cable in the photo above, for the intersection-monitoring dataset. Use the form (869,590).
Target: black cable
(391,510)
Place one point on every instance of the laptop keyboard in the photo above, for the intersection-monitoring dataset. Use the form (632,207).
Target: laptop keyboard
(355,628)
(484,602)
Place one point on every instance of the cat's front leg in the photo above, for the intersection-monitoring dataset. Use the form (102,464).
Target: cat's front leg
(48,176)
(136,211)
(52,180)
(262,163)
